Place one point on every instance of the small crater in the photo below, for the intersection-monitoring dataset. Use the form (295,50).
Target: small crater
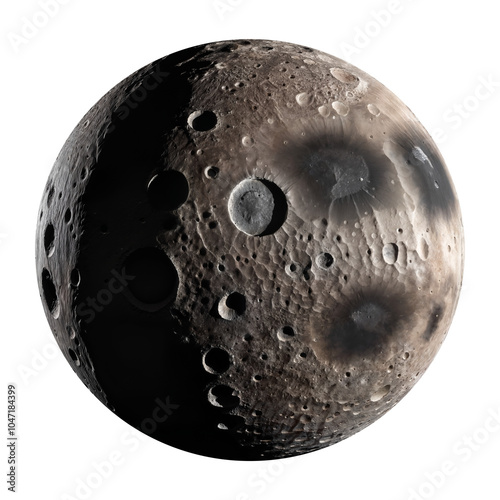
(380,393)
(168,190)
(71,332)
(324,111)
(75,277)
(67,216)
(212,172)
(324,261)
(344,76)
(231,306)
(231,423)
(341,108)
(247,141)
(294,270)
(49,293)
(74,357)
(373,109)
(390,253)
(418,158)
(202,121)
(223,396)
(216,361)
(423,249)
(304,99)
(48,240)
(50,196)
(286,333)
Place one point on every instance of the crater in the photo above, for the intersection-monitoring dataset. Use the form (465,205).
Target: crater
(231,306)
(362,326)
(202,121)
(223,396)
(257,207)
(168,190)
(150,276)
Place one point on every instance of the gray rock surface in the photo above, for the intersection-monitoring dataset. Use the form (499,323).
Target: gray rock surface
(249,250)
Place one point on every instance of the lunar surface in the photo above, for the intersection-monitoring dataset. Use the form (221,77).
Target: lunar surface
(249,250)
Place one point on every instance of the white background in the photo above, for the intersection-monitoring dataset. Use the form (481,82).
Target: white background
(434,55)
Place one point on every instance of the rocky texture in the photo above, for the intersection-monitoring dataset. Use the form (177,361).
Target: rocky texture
(249,250)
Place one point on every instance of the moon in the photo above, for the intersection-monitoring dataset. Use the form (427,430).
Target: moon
(249,250)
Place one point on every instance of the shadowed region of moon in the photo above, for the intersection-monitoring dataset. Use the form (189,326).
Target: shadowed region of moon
(249,250)
(152,276)
(168,190)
